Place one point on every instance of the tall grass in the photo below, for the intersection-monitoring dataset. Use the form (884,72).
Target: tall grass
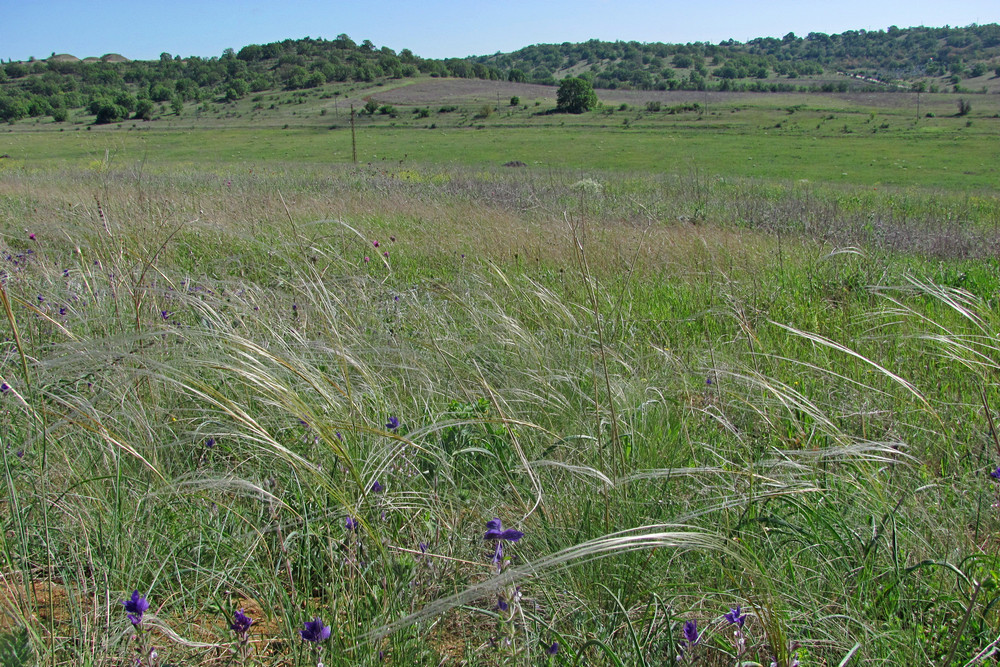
(687,399)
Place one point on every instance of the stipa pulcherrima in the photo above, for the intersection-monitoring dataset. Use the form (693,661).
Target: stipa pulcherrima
(495,531)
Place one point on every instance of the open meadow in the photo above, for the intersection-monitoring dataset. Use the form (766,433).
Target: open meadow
(711,385)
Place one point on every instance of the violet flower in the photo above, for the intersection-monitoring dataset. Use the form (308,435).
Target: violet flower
(241,624)
(736,617)
(495,531)
(314,631)
(136,606)
(691,632)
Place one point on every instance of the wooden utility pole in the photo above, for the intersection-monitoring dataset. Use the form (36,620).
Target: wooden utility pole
(354,140)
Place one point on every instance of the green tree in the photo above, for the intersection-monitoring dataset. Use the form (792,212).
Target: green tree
(144,109)
(575,95)
(109,112)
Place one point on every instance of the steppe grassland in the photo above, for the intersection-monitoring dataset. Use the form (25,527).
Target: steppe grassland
(779,389)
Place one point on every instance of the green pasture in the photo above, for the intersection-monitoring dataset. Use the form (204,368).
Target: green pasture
(875,141)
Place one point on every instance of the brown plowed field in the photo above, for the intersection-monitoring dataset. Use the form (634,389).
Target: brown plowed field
(470,91)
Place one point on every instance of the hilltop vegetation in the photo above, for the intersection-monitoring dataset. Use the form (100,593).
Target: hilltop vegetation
(113,88)
(895,54)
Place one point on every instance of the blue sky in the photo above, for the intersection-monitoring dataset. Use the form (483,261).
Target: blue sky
(440,28)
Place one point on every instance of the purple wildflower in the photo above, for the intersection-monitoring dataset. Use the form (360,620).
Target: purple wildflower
(393,423)
(691,632)
(392,238)
(164,314)
(552,649)
(375,243)
(367,259)
(495,531)
(385,253)
(502,604)
(314,631)
(41,299)
(136,606)
(209,443)
(4,388)
(31,236)
(996,473)
(736,617)
(241,624)
(351,523)
(377,488)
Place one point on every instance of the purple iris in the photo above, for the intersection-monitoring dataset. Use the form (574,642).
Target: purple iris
(495,531)
(393,423)
(351,523)
(996,473)
(136,606)
(241,624)
(736,617)
(553,649)
(314,631)
(377,488)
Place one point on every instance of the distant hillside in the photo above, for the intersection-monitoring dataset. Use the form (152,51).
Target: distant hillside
(113,88)
(892,55)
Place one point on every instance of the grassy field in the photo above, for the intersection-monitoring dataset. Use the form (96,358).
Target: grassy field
(733,413)
(858,139)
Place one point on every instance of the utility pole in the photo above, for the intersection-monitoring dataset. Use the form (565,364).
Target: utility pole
(354,140)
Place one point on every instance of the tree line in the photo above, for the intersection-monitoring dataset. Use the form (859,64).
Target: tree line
(114,89)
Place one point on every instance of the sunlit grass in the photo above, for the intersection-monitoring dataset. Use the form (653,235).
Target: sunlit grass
(688,394)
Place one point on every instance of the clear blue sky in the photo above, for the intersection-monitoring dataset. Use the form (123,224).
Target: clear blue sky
(142,29)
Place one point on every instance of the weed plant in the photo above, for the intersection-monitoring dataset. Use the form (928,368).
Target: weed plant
(414,416)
